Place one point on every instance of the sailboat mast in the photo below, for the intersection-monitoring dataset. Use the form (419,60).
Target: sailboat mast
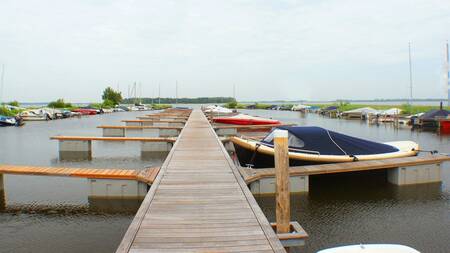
(410,75)
(176,92)
(447,73)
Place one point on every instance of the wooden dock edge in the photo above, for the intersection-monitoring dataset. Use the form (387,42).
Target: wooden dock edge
(147,175)
(250,175)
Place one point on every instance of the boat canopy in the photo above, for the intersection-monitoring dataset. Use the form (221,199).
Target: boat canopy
(392,111)
(330,108)
(300,107)
(431,115)
(320,140)
(217,109)
(364,110)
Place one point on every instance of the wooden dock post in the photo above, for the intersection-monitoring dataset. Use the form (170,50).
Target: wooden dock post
(2,186)
(282,181)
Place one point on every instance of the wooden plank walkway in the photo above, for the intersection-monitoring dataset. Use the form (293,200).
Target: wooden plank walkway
(199,202)
(251,175)
(147,175)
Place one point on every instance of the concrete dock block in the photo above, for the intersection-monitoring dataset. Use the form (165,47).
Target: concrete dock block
(226,131)
(157,146)
(151,132)
(267,185)
(116,188)
(133,123)
(113,132)
(147,123)
(175,124)
(161,124)
(169,132)
(420,174)
(75,150)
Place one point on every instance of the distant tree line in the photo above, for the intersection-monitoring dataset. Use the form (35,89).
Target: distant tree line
(200,100)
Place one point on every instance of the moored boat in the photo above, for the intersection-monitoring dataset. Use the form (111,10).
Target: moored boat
(217,110)
(39,114)
(10,121)
(371,248)
(243,119)
(316,145)
(86,111)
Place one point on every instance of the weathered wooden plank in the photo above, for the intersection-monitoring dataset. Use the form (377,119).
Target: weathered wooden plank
(197,203)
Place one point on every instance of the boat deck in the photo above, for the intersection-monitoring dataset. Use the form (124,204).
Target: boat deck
(199,202)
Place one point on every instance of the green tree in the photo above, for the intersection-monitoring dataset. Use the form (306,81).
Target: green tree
(114,96)
(59,103)
(107,104)
(14,103)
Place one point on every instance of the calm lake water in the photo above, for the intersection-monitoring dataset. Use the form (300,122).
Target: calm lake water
(51,214)
(364,208)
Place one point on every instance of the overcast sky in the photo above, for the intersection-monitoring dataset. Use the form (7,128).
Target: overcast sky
(269,49)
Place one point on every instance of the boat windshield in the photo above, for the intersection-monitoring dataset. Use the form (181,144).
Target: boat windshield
(293,141)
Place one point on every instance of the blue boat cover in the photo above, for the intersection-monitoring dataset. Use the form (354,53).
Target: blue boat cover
(317,139)
(330,108)
(432,114)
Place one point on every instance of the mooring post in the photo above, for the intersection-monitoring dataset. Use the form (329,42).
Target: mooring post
(2,186)
(282,181)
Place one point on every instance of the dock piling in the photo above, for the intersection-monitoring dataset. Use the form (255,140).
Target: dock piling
(2,184)
(75,149)
(282,181)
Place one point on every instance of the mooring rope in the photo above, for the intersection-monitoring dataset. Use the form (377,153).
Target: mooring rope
(329,135)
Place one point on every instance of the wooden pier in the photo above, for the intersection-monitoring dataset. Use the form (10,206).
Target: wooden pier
(146,176)
(102,183)
(199,202)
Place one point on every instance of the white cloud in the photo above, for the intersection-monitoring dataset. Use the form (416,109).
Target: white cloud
(269,49)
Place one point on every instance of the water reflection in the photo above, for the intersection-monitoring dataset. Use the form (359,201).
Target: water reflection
(49,212)
(363,207)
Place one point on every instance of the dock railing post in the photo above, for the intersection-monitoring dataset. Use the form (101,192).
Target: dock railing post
(282,181)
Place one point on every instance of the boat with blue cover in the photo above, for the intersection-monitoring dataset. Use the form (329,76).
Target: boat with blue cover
(316,145)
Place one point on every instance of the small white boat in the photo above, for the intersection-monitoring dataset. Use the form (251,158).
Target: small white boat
(359,113)
(300,107)
(40,114)
(371,248)
(243,119)
(218,110)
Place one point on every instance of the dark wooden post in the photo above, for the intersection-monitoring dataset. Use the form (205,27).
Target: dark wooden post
(282,181)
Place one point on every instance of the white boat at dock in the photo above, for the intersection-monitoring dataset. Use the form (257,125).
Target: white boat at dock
(371,248)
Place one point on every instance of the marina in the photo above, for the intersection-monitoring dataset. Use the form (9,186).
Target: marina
(257,182)
(225,126)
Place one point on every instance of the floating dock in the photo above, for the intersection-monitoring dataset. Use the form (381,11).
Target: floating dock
(102,183)
(400,171)
(199,202)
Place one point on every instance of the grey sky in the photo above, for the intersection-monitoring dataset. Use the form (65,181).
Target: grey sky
(269,49)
